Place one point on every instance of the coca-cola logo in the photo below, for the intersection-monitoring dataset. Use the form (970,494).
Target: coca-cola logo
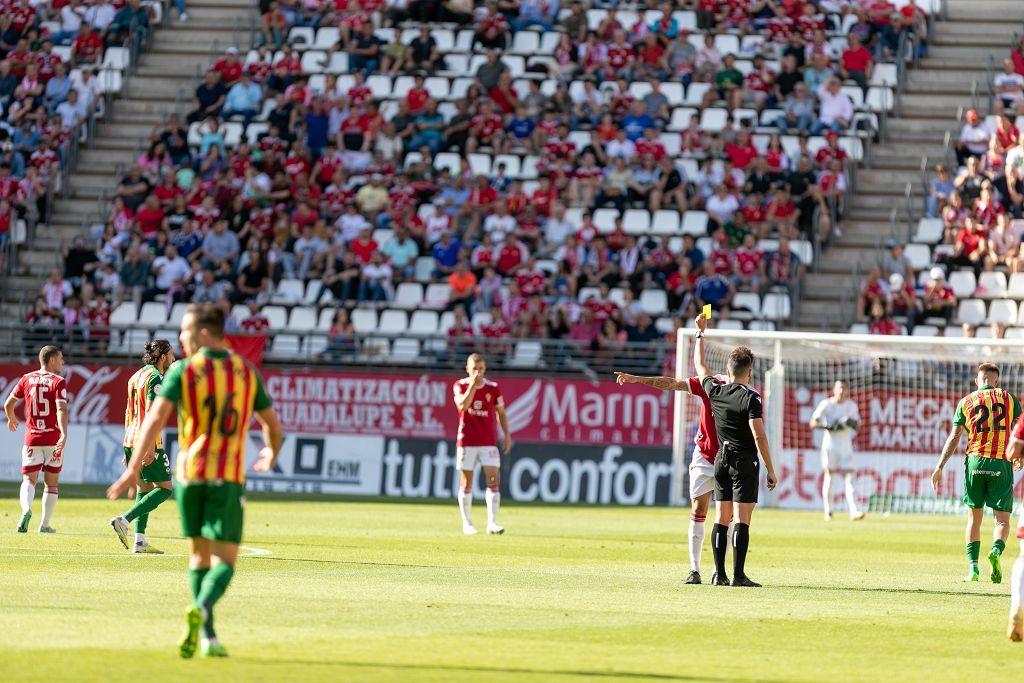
(89,394)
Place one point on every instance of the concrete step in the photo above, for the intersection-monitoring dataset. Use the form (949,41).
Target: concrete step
(163,86)
(988,11)
(964,75)
(129,131)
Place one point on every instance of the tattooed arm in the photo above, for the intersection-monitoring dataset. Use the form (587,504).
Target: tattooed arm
(947,452)
(663,383)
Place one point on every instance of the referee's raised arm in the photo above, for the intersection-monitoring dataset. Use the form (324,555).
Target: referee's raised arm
(698,349)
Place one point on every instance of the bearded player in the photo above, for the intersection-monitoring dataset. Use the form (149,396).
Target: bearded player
(154,485)
(839,416)
(702,464)
(479,401)
(46,429)
(987,415)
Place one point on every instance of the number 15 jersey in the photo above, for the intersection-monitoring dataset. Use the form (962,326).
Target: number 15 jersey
(42,391)
(217,393)
(987,414)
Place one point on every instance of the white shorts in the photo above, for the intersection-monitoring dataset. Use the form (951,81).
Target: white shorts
(702,476)
(466,457)
(35,458)
(837,459)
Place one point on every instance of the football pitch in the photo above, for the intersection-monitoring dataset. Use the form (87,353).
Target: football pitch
(388,591)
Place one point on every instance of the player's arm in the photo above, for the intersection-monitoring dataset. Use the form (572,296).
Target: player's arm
(818,420)
(273,437)
(761,441)
(947,452)
(145,442)
(698,349)
(506,443)
(62,425)
(663,383)
(463,401)
(12,418)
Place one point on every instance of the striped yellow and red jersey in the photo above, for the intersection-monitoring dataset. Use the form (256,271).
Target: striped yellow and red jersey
(987,414)
(142,389)
(217,393)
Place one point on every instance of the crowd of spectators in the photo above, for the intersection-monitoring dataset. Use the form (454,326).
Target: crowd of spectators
(342,190)
(981,207)
(48,89)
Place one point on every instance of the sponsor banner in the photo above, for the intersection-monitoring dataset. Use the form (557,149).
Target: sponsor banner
(875,473)
(414,406)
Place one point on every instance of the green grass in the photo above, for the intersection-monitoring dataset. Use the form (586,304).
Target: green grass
(376,591)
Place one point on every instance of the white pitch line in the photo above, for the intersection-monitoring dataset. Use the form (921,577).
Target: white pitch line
(249,552)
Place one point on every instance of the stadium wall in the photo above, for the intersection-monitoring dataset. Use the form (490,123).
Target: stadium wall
(575,441)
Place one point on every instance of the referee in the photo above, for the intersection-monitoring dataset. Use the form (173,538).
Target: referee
(741,437)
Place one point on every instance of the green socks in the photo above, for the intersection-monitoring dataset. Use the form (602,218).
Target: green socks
(212,587)
(195,581)
(144,504)
(973,552)
(998,546)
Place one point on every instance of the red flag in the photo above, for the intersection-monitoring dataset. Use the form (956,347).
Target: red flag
(248,346)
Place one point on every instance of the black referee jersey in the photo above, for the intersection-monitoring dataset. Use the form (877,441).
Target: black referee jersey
(733,406)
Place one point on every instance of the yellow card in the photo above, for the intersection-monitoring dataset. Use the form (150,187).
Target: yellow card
(706,312)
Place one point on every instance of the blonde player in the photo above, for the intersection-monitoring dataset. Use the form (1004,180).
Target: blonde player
(839,417)
(479,401)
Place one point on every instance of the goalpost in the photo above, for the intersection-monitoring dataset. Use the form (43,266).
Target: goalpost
(906,389)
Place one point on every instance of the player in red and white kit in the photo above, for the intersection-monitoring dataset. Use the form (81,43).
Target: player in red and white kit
(1015,452)
(702,464)
(479,402)
(46,428)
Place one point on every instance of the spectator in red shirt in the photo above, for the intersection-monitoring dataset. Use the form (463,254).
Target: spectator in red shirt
(875,290)
(363,246)
(256,323)
(493,30)
(150,217)
(937,299)
(511,255)
(87,48)
(856,63)
(881,322)
(228,67)
(482,199)
(971,248)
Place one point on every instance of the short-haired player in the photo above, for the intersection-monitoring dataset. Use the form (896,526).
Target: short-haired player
(479,403)
(987,416)
(46,430)
(702,462)
(839,416)
(154,485)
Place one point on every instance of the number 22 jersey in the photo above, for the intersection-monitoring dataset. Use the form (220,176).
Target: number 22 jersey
(987,415)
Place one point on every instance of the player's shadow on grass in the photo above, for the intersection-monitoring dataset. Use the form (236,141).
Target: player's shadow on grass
(520,671)
(880,589)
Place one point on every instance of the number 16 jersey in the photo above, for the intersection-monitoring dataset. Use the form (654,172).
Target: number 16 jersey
(217,393)
(987,414)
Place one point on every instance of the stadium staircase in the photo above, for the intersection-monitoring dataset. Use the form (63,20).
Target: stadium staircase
(163,82)
(889,197)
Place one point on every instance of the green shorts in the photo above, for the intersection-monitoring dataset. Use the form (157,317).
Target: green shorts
(155,472)
(988,482)
(211,510)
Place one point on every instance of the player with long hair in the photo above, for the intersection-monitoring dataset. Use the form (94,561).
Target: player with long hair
(154,485)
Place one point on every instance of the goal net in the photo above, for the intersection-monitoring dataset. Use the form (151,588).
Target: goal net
(906,389)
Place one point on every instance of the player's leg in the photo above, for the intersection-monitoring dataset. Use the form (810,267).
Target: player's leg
(465,462)
(702,484)
(999,535)
(51,479)
(1000,499)
(826,484)
(745,497)
(27,495)
(222,525)
(723,517)
(154,489)
(198,569)
(493,496)
(973,534)
(1016,628)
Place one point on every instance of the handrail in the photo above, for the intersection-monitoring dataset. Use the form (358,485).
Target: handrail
(974,94)
(989,77)
(908,196)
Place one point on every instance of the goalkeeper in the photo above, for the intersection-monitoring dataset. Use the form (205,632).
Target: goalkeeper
(839,417)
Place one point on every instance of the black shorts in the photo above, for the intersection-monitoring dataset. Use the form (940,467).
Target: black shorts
(737,476)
